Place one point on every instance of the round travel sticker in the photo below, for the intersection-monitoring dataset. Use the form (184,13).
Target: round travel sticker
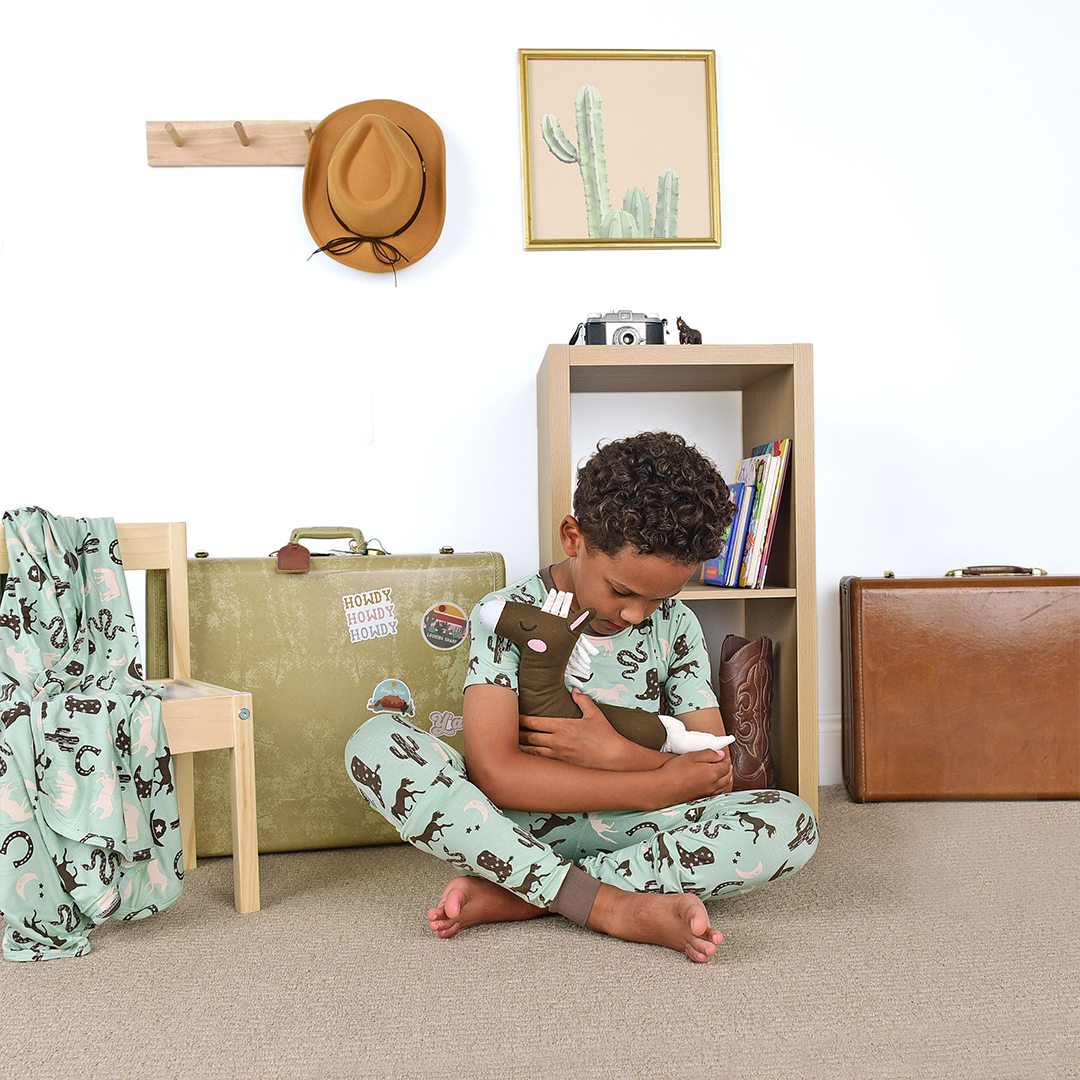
(444,626)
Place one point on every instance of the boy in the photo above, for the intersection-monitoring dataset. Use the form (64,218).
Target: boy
(567,815)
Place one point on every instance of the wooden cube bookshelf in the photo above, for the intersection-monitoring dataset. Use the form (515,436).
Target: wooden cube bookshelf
(776,387)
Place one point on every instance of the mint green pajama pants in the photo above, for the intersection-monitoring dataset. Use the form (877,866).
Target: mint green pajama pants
(717,846)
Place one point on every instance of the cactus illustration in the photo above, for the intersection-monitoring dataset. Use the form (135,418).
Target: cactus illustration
(557,141)
(589,153)
(591,157)
(637,205)
(667,203)
(620,225)
(634,220)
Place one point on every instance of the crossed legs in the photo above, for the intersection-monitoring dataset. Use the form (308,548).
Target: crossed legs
(640,877)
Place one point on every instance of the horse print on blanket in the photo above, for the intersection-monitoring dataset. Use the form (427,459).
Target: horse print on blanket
(89,823)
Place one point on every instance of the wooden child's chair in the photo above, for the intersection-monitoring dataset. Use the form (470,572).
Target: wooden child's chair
(197,715)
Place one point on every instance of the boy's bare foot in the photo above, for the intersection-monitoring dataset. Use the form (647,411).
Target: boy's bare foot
(677,920)
(469,901)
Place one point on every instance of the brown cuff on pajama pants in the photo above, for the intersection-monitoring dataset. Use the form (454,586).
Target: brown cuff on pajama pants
(575,896)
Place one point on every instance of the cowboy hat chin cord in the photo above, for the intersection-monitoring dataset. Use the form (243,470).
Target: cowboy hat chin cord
(386,253)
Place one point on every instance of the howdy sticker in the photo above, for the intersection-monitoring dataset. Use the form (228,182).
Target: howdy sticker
(370,615)
(444,626)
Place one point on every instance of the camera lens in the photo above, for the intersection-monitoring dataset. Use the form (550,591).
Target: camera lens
(627,336)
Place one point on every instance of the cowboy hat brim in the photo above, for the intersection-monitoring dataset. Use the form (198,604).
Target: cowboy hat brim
(421,236)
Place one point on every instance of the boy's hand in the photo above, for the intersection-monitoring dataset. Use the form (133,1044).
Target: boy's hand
(589,741)
(695,775)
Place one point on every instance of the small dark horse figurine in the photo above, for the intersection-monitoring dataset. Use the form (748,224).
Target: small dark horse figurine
(687,334)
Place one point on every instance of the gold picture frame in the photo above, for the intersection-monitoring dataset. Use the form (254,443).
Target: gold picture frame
(598,123)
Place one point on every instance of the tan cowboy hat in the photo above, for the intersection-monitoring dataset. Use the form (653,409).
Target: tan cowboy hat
(375,185)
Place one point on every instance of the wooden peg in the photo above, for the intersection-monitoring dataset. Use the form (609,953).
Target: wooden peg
(228,142)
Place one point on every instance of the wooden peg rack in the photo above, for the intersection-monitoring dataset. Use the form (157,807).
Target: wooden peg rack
(228,142)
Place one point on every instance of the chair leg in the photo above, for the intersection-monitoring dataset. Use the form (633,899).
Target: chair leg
(244,820)
(184,778)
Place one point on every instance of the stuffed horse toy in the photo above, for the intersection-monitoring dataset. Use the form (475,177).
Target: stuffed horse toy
(552,646)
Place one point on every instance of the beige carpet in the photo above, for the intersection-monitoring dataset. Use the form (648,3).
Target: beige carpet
(924,940)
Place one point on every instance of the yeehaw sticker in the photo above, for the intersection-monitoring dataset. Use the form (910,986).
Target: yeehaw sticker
(370,615)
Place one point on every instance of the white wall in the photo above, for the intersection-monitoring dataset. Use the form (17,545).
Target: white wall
(898,187)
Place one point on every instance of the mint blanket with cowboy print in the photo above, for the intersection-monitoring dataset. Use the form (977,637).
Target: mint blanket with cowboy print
(89,826)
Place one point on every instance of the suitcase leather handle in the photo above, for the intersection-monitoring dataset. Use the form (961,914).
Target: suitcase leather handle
(996,571)
(332,532)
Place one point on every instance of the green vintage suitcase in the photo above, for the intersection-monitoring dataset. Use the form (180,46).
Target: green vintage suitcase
(321,652)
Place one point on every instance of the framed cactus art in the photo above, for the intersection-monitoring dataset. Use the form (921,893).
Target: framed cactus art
(619,148)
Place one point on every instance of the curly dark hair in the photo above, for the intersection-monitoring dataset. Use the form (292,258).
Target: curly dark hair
(655,493)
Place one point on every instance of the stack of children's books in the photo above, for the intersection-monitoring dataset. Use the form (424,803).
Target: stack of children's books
(755,493)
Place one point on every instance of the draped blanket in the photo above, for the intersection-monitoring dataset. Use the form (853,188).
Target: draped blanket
(89,825)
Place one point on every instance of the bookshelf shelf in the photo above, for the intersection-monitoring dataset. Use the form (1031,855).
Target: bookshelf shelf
(715,594)
(775,383)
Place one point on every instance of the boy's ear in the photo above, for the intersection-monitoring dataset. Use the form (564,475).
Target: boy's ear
(573,541)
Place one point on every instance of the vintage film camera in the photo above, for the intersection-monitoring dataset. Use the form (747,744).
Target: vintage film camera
(620,328)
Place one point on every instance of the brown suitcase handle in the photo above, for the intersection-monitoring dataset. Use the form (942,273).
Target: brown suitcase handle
(996,571)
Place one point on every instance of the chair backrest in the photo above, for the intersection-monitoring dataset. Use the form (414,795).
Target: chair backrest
(154,546)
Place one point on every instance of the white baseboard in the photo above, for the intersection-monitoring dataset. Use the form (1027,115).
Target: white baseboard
(830,751)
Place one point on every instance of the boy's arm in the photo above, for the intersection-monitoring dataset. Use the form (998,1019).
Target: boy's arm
(594,743)
(590,741)
(515,779)
(708,720)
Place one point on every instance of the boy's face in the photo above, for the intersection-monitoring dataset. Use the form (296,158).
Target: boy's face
(625,589)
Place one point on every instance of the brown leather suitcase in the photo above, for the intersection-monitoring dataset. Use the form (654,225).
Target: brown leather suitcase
(961,687)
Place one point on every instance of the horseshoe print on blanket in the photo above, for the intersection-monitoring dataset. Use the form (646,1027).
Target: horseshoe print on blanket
(89,823)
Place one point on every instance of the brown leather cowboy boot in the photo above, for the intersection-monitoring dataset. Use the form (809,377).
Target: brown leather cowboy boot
(745,681)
